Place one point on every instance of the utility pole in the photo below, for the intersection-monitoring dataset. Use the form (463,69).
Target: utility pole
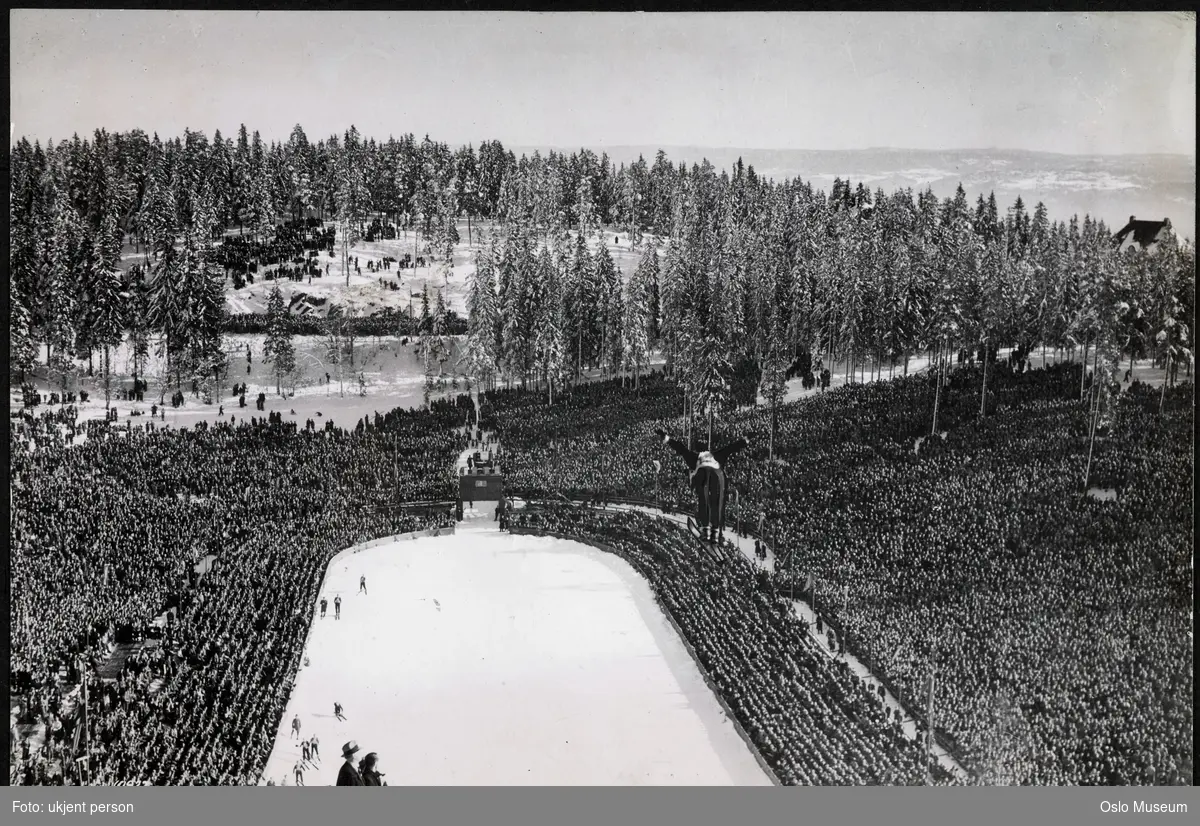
(791,574)
(937,392)
(929,718)
(87,729)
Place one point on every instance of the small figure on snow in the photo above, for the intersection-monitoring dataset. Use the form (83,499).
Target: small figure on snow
(362,584)
(708,481)
(324,605)
(337,712)
(337,607)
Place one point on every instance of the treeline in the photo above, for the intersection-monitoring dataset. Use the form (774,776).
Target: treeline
(762,280)
(739,275)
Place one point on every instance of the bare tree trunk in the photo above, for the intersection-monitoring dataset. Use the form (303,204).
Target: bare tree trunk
(685,419)
(1162,396)
(983,393)
(937,392)
(162,386)
(1083,369)
(1094,411)
(107,384)
(771,441)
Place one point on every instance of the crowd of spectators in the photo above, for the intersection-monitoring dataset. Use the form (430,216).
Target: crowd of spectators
(107,535)
(287,244)
(1058,623)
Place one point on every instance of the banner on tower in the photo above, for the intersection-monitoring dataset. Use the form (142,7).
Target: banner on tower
(481,484)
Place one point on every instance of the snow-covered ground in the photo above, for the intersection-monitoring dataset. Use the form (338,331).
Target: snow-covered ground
(393,376)
(364,290)
(1144,371)
(485,658)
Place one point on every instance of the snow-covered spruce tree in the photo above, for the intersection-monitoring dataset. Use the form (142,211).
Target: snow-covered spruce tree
(261,205)
(546,304)
(111,299)
(638,318)
(774,382)
(333,333)
(298,166)
(440,335)
(60,249)
(22,347)
(516,324)
(628,207)
(609,306)
(575,323)
(479,357)
(713,390)
(447,219)
(351,197)
(138,321)
(278,350)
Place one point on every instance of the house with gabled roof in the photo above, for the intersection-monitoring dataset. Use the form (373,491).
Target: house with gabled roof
(1144,234)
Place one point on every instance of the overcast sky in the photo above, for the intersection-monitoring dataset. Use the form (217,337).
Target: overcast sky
(1106,83)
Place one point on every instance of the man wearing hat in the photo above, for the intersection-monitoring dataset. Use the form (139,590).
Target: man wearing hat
(348,775)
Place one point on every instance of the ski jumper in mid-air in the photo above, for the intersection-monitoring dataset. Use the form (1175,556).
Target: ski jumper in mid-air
(708,481)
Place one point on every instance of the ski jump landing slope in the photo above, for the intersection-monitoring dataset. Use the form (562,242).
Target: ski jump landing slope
(484,658)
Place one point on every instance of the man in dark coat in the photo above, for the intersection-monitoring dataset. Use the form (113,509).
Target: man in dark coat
(708,481)
(348,775)
(368,769)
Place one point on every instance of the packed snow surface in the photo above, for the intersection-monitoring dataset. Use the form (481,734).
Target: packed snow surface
(484,658)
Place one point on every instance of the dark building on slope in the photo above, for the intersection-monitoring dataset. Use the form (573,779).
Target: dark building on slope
(1145,234)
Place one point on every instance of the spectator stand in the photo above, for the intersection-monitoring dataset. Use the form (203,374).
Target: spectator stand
(1006,521)
(203,705)
(424,510)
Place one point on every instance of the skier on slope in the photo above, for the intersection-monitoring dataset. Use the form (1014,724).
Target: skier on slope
(708,481)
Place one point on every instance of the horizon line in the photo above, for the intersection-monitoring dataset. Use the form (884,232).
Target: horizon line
(856,149)
(14,138)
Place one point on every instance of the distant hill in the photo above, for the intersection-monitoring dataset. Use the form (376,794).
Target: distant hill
(1110,187)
